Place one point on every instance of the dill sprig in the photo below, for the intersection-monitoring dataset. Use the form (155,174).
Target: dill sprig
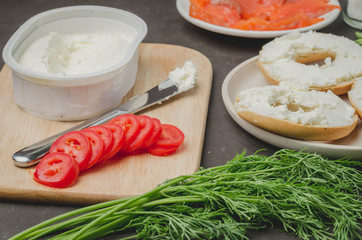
(310,196)
(358,37)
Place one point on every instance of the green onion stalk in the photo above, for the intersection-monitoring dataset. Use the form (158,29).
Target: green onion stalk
(310,196)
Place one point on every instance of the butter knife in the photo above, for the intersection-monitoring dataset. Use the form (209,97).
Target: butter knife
(32,154)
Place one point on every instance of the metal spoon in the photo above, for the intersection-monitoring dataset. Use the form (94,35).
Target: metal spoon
(32,154)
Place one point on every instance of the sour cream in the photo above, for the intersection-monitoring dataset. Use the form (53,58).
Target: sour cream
(74,54)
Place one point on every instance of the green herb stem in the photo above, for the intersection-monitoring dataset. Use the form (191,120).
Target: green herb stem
(307,193)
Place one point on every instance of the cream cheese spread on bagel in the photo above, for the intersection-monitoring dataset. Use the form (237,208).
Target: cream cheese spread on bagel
(295,56)
(355,96)
(309,115)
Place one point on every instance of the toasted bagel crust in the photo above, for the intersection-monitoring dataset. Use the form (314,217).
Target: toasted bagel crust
(298,131)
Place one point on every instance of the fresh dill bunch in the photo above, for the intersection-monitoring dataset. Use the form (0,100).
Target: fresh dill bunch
(311,196)
(358,37)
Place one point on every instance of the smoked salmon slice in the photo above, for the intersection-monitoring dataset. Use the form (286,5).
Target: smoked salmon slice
(261,15)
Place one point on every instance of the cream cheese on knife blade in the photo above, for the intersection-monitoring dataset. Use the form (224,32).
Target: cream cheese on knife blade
(184,78)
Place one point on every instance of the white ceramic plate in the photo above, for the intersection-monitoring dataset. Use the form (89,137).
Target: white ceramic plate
(247,75)
(183,7)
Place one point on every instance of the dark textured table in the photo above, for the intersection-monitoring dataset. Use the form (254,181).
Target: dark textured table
(223,139)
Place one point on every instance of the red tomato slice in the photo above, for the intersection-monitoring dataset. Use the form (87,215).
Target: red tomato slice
(155,134)
(77,145)
(161,151)
(57,170)
(146,126)
(118,139)
(171,137)
(107,138)
(97,145)
(130,125)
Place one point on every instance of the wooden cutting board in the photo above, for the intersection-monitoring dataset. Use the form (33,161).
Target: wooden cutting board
(118,177)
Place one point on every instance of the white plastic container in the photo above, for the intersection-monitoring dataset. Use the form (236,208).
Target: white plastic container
(74,97)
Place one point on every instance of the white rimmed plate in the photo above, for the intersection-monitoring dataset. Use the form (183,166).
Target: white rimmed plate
(247,75)
(183,7)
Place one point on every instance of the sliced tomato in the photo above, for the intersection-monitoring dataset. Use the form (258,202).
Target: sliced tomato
(97,146)
(77,145)
(130,125)
(155,134)
(118,139)
(107,138)
(161,151)
(57,170)
(171,136)
(146,126)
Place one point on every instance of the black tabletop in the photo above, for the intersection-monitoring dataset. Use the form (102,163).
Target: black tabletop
(223,139)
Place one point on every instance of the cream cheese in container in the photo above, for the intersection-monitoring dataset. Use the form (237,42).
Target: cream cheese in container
(51,81)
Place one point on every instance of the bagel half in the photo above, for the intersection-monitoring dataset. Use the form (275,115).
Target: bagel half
(322,61)
(338,89)
(306,115)
(295,130)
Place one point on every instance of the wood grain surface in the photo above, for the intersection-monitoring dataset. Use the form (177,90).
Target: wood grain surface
(120,176)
